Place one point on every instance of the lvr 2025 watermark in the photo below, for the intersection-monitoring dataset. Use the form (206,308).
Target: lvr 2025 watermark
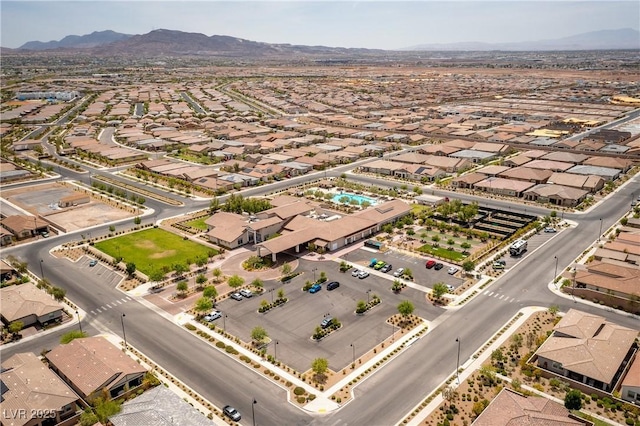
(27,413)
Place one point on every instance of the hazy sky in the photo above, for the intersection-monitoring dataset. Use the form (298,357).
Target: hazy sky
(370,24)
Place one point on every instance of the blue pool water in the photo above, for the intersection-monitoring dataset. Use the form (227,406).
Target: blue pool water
(359,198)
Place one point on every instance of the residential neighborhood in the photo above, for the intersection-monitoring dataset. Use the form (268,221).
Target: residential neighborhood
(331,236)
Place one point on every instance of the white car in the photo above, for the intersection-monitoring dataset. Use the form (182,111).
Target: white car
(246,293)
(452,270)
(355,272)
(450,288)
(398,272)
(363,274)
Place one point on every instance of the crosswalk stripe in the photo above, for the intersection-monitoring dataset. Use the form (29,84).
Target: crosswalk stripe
(501,297)
(109,306)
(128,298)
(93,313)
(119,302)
(125,300)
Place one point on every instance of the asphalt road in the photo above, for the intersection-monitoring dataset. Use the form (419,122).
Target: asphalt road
(383,398)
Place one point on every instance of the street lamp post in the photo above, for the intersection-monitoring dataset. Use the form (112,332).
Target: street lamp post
(224,322)
(41,269)
(253,413)
(271,291)
(368,292)
(600,234)
(555,274)
(458,362)
(79,322)
(124,336)
(275,351)
(314,274)
(353,350)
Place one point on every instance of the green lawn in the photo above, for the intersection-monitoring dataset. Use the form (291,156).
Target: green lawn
(443,252)
(154,249)
(198,224)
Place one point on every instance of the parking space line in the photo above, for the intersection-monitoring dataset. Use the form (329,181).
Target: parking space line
(501,297)
(109,306)
(93,313)
(490,294)
(512,299)
(103,308)
(128,298)
(125,300)
(119,302)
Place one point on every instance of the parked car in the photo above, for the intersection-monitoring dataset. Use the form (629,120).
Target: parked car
(430,263)
(399,272)
(549,229)
(363,274)
(373,262)
(236,296)
(333,285)
(452,270)
(438,266)
(232,413)
(355,272)
(93,263)
(498,266)
(315,288)
(386,268)
(44,234)
(379,265)
(326,322)
(450,288)
(213,316)
(246,293)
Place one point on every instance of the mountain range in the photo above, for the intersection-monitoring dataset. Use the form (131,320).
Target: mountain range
(625,38)
(96,38)
(177,43)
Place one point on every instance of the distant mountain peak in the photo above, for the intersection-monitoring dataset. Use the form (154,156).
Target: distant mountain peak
(623,38)
(96,38)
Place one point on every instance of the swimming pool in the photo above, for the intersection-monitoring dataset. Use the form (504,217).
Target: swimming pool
(352,198)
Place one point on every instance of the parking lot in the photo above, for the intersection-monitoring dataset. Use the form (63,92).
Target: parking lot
(293,324)
(422,275)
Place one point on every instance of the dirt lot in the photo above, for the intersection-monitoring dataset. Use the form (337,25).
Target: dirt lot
(43,199)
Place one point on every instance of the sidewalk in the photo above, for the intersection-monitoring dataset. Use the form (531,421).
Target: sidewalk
(473,363)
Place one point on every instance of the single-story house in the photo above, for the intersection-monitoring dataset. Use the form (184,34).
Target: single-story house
(588,349)
(630,387)
(28,304)
(500,186)
(556,194)
(93,366)
(159,406)
(29,387)
(512,408)
(23,226)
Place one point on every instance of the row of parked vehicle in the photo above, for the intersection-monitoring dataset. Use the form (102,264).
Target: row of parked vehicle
(317,287)
(432,264)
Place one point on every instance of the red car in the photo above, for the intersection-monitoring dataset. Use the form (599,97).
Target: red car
(430,264)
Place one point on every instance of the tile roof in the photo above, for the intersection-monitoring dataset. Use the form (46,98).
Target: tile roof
(93,363)
(513,409)
(32,386)
(19,301)
(159,407)
(594,347)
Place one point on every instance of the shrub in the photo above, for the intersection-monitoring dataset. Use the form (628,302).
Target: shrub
(299,391)
(220,345)
(301,400)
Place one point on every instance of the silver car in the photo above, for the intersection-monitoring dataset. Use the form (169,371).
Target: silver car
(246,293)
(398,272)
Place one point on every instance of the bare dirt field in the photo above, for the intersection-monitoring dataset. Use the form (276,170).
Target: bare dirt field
(43,200)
